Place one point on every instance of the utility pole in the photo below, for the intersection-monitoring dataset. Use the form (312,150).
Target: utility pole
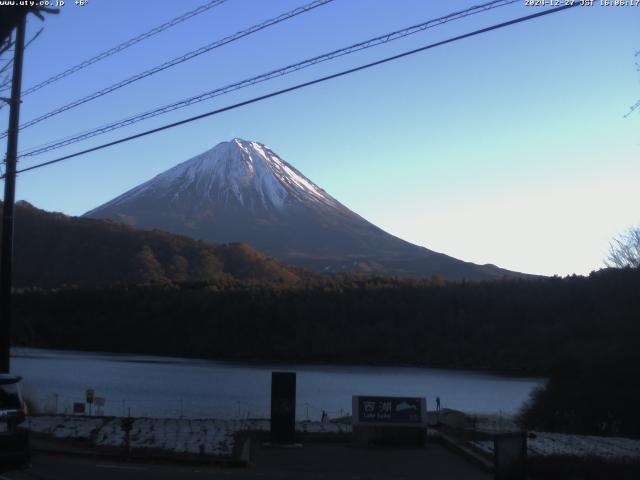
(6,255)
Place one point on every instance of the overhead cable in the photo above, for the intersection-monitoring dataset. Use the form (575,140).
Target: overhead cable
(301,85)
(124,45)
(379,40)
(176,61)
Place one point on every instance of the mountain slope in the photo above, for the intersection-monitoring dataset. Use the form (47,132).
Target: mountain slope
(242,191)
(52,249)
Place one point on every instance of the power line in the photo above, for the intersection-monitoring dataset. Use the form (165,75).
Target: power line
(379,40)
(124,45)
(10,62)
(178,60)
(635,106)
(302,85)
(632,109)
(5,83)
(6,46)
(6,65)
(7,80)
(36,35)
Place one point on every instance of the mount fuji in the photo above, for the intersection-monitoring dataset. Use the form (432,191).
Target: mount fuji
(242,191)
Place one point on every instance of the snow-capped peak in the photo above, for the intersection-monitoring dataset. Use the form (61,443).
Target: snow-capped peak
(238,170)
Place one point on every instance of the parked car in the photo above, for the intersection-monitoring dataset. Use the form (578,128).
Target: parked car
(14,433)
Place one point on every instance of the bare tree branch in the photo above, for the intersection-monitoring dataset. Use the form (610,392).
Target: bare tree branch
(636,105)
(624,250)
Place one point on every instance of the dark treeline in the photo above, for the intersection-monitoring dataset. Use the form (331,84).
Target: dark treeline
(583,331)
(511,325)
(598,393)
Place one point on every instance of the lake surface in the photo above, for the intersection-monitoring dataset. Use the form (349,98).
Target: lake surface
(153,386)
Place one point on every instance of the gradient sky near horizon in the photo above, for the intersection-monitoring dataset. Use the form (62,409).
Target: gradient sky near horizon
(508,148)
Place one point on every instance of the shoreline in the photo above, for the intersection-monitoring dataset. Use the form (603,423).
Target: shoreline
(251,362)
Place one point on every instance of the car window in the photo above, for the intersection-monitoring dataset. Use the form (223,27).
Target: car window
(9,397)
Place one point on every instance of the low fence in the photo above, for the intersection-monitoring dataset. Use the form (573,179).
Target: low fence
(170,407)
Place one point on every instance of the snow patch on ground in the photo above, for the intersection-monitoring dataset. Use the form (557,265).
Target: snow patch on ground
(496,423)
(196,436)
(60,426)
(546,443)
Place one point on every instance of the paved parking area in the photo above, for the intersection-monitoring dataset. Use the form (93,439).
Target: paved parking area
(322,460)
(312,461)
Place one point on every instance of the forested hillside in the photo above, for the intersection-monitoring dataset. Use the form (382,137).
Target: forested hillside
(583,332)
(52,250)
(510,325)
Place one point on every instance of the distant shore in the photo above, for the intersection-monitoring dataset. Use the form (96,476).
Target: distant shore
(512,373)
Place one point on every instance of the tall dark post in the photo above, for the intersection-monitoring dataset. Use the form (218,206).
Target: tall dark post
(6,256)
(283,407)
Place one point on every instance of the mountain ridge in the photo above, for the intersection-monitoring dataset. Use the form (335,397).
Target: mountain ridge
(52,249)
(243,191)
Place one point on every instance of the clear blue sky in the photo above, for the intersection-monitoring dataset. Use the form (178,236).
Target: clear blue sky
(509,148)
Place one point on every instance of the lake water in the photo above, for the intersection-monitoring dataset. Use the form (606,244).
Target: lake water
(170,387)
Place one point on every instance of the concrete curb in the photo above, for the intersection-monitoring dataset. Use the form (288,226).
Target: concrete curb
(467,452)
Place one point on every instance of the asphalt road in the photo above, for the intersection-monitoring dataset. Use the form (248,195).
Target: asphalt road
(57,467)
(311,462)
